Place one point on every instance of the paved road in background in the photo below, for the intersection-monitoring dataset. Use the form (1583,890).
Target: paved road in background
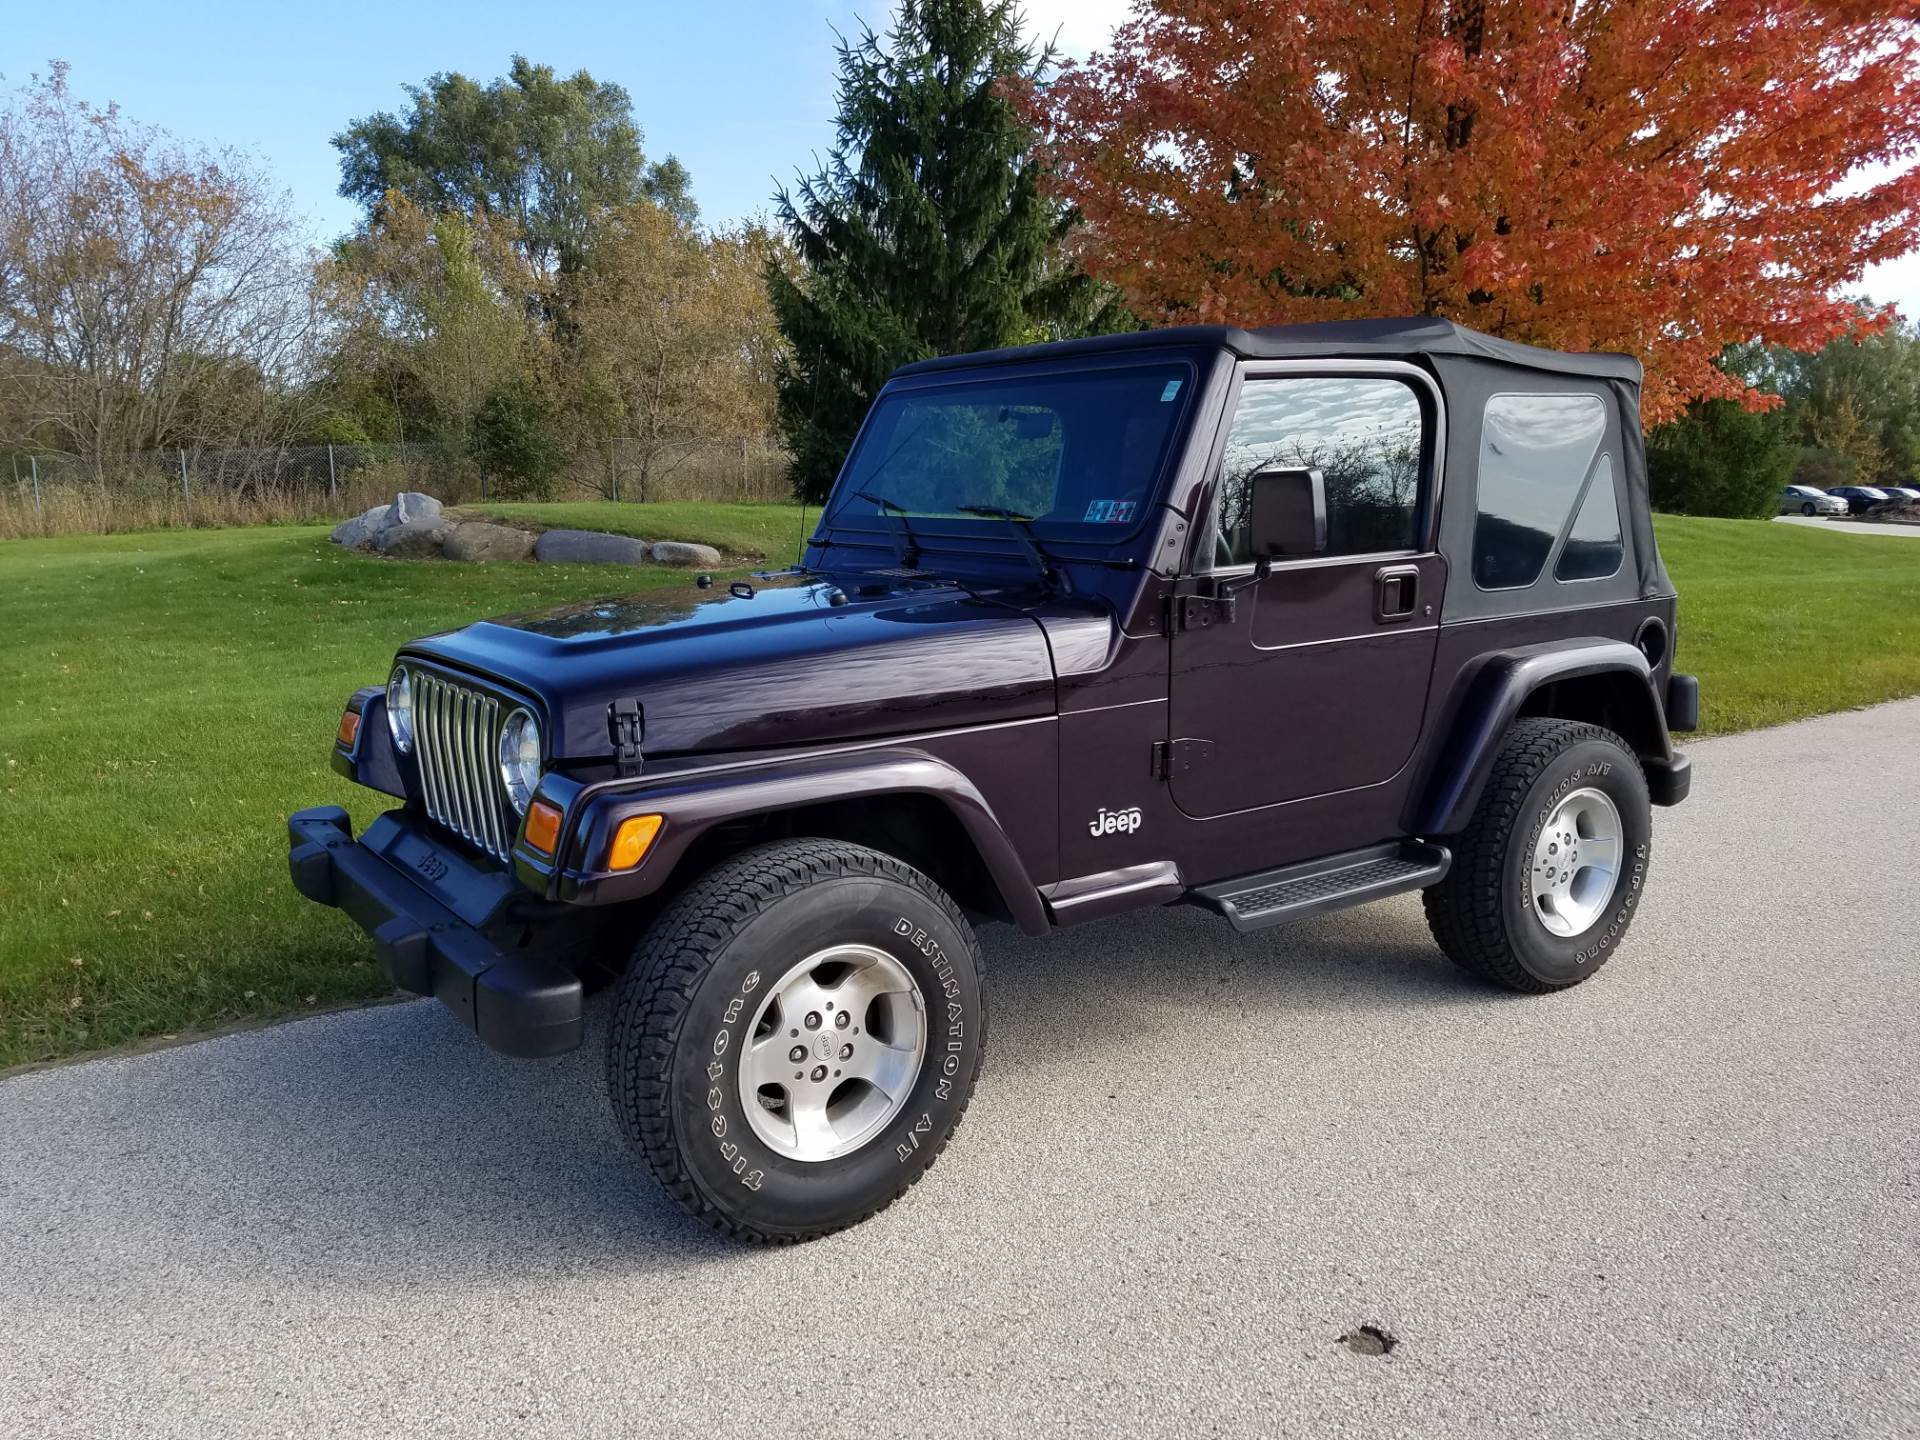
(1682,1200)
(1850,527)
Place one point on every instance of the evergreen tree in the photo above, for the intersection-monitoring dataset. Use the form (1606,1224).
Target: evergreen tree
(926,232)
(1719,459)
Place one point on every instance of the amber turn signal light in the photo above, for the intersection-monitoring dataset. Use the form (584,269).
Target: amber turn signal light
(631,840)
(543,827)
(349,728)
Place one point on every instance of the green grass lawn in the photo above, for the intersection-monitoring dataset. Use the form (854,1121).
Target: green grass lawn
(166,698)
(1782,621)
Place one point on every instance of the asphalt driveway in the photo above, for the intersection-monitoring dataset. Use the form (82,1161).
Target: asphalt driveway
(1683,1199)
(1849,527)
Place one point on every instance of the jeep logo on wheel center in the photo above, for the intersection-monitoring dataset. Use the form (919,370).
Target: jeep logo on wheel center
(1440,663)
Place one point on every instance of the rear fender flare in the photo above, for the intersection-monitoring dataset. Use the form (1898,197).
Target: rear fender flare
(693,802)
(1489,695)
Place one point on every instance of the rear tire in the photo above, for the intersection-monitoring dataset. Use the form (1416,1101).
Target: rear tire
(832,948)
(1526,903)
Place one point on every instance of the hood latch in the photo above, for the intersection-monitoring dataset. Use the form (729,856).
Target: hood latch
(626,729)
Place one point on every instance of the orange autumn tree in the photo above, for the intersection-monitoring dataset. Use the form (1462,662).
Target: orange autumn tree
(1659,178)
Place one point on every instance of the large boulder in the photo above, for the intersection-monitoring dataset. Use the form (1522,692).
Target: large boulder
(365,530)
(588,547)
(411,505)
(684,552)
(477,542)
(358,531)
(414,540)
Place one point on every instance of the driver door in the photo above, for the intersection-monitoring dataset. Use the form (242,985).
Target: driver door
(1318,681)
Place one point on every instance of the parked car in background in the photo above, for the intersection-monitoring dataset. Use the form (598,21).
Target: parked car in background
(1859,498)
(1807,500)
(1900,492)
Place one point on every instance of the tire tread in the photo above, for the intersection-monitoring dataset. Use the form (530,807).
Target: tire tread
(1463,910)
(652,1000)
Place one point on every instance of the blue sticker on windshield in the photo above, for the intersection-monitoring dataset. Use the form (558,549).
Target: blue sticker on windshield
(1110,512)
(1173,389)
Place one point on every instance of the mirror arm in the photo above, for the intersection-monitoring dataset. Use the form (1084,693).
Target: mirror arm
(1226,591)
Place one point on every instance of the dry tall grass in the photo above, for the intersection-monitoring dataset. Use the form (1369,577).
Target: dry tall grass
(101,510)
(153,500)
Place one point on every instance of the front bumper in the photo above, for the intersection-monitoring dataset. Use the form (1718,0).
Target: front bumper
(519,1004)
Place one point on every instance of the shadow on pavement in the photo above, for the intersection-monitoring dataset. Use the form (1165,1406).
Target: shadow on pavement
(388,1146)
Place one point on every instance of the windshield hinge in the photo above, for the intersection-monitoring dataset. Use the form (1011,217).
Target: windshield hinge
(1219,604)
(626,730)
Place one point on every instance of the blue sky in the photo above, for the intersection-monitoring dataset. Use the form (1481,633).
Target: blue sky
(740,90)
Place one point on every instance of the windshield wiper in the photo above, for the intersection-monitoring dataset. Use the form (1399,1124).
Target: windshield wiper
(1023,537)
(907,548)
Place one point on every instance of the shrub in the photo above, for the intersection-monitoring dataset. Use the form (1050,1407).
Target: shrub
(516,447)
(1718,459)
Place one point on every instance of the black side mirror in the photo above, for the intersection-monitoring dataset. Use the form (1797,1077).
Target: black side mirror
(1288,512)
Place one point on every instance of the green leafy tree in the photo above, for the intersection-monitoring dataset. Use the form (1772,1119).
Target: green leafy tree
(552,156)
(437,311)
(925,233)
(1860,396)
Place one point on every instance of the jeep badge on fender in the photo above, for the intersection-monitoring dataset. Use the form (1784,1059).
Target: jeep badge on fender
(1438,659)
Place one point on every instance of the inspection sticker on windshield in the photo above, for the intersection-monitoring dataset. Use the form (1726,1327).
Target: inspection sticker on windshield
(1111,512)
(1173,389)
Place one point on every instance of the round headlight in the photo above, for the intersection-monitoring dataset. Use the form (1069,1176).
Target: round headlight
(400,709)
(520,757)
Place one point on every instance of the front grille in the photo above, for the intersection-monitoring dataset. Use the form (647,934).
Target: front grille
(457,737)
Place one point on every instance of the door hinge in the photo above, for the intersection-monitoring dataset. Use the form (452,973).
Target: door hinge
(626,729)
(1175,757)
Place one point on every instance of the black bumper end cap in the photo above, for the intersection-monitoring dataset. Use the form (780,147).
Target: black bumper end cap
(1683,702)
(529,1008)
(1669,781)
(307,859)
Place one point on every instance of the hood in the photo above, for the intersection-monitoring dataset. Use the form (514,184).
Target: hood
(775,661)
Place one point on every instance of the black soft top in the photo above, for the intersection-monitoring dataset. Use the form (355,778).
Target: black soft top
(1415,335)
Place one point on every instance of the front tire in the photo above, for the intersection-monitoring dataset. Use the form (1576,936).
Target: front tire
(821,946)
(1807,509)
(1549,871)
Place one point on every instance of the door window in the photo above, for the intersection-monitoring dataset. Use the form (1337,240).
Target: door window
(1365,433)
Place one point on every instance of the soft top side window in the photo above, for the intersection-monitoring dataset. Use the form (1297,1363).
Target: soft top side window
(1365,433)
(1593,550)
(1536,452)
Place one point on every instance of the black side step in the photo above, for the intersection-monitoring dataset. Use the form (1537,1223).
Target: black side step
(1313,887)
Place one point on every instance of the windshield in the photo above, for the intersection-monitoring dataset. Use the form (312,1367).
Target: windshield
(1078,453)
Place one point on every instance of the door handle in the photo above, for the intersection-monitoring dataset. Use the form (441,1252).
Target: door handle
(1396,593)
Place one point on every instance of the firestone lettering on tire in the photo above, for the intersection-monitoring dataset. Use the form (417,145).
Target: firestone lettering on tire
(730,1152)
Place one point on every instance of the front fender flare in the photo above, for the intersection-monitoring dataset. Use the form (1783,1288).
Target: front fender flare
(693,801)
(1485,700)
